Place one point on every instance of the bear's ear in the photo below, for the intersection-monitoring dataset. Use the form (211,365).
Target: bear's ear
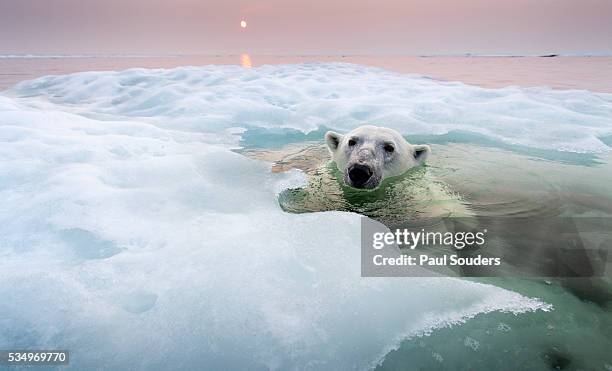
(421,152)
(333,140)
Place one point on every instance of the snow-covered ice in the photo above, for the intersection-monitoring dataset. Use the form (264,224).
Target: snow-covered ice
(337,95)
(129,227)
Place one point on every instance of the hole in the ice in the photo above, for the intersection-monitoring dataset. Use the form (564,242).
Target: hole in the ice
(452,184)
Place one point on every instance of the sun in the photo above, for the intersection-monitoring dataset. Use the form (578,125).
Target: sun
(243,24)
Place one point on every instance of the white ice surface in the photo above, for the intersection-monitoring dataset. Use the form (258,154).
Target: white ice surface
(337,95)
(132,235)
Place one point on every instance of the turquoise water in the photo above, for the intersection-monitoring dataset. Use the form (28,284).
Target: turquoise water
(492,179)
(576,335)
(496,178)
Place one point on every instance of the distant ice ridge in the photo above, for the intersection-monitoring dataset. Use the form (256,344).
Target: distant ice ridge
(132,235)
(338,95)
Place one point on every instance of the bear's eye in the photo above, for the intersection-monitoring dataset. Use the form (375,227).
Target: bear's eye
(389,148)
(351,142)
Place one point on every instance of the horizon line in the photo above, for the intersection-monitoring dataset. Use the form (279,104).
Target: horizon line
(9,55)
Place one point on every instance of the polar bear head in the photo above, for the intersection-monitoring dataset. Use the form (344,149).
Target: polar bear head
(369,154)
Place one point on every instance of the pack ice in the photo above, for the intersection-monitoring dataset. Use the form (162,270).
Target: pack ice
(133,236)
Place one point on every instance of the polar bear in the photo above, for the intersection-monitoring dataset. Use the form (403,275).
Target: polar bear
(368,154)
(409,192)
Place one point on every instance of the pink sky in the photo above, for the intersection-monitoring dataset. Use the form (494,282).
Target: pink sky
(305,27)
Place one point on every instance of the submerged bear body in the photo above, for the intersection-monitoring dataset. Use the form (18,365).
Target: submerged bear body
(397,201)
(404,193)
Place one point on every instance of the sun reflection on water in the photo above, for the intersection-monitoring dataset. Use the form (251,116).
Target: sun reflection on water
(245,61)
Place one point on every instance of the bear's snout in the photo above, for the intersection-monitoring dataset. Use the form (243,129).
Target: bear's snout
(359,175)
(368,154)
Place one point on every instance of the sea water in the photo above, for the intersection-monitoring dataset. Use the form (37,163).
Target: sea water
(495,180)
(130,226)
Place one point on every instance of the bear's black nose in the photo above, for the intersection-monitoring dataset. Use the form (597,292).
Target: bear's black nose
(359,174)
